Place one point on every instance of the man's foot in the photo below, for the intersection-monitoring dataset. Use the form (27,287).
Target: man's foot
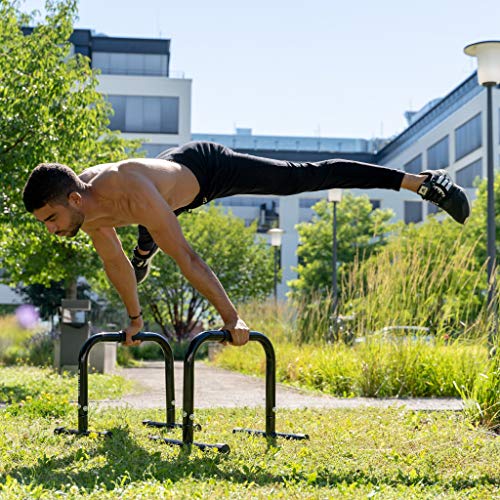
(439,189)
(141,263)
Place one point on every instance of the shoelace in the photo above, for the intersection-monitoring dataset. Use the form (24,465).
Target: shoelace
(436,188)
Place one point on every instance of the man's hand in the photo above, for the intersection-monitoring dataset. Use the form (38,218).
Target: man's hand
(135,326)
(240,333)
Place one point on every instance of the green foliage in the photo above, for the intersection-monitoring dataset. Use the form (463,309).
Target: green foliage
(476,226)
(482,400)
(378,367)
(243,264)
(426,276)
(51,111)
(28,346)
(12,338)
(360,232)
(432,275)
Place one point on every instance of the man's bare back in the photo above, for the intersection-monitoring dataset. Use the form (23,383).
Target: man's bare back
(176,184)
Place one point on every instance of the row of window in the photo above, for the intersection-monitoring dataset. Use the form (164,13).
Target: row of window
(117,63)
(154,115)
(468,138)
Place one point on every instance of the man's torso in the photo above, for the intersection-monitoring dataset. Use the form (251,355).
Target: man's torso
(176,184)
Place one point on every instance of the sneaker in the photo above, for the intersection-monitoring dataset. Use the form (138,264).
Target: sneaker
(439,189)
(141,263)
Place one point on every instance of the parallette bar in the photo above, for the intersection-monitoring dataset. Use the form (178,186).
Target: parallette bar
(220,447)
(272,435)
(152,423)
(76,432)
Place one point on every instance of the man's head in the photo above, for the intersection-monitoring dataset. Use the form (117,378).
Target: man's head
(53,194)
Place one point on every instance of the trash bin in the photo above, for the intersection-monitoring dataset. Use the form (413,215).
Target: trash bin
(75,330)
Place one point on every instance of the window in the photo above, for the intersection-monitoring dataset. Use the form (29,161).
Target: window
(467,175)
(438,154)
(413,211)
(308,202)
(119,63)
(414,166)
(145,114)
(376,204)
(468,137)
(152,150)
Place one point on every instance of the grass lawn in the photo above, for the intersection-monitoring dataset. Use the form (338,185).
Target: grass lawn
(366,453)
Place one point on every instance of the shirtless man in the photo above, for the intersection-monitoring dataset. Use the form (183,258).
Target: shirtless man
(151,192)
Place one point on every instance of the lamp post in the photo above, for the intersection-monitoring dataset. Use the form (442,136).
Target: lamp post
(334,196)
(488,75)
(276,235)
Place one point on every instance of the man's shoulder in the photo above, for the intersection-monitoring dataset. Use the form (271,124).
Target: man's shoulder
(97,170)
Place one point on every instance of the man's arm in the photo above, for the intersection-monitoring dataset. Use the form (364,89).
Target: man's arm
(121,274)
(152,211)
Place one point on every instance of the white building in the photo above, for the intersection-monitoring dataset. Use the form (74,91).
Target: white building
(135,77)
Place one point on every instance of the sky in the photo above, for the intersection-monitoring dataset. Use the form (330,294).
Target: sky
(324,68)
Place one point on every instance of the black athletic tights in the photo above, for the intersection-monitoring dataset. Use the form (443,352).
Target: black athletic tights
(223,172)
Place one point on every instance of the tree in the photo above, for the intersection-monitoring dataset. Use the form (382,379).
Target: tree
(243,264)
(51,111)
(360,232)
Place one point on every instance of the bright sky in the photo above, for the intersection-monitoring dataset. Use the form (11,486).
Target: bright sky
(333,68)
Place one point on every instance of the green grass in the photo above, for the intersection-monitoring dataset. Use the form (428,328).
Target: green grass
(376,368)
(367,453)
(43,392)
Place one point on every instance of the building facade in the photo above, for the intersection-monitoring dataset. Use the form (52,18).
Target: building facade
(148,103)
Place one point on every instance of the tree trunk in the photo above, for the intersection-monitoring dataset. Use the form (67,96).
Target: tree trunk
(71,288)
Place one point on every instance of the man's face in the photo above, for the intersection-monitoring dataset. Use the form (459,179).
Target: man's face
(62,220)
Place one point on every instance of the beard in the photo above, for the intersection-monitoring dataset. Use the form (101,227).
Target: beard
(75,223)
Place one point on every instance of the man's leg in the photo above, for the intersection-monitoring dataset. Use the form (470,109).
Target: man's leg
(255,175)
(143,253)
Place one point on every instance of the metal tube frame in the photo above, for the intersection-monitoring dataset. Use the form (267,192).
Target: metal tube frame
(188,393)
(83,397)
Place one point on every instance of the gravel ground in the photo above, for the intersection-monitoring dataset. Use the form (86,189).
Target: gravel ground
(216,387)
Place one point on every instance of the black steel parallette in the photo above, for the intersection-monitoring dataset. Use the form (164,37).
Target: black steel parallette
(83,397)
(188,393)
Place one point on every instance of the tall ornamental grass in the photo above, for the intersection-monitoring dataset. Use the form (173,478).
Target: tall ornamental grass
(435,283)
(482,400)
(375,368)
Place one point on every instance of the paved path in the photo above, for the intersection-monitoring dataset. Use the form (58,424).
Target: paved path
(216,387)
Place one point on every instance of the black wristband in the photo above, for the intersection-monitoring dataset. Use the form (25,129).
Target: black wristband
(136,317)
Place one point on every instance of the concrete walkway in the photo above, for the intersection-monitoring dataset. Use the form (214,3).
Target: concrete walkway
(216,387)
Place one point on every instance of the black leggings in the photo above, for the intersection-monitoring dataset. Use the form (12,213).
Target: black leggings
(222,172)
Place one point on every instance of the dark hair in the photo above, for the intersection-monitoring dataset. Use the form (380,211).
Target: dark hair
(50,182)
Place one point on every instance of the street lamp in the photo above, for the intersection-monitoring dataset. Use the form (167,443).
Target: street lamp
(334,196)
(488,75)
(276,235)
